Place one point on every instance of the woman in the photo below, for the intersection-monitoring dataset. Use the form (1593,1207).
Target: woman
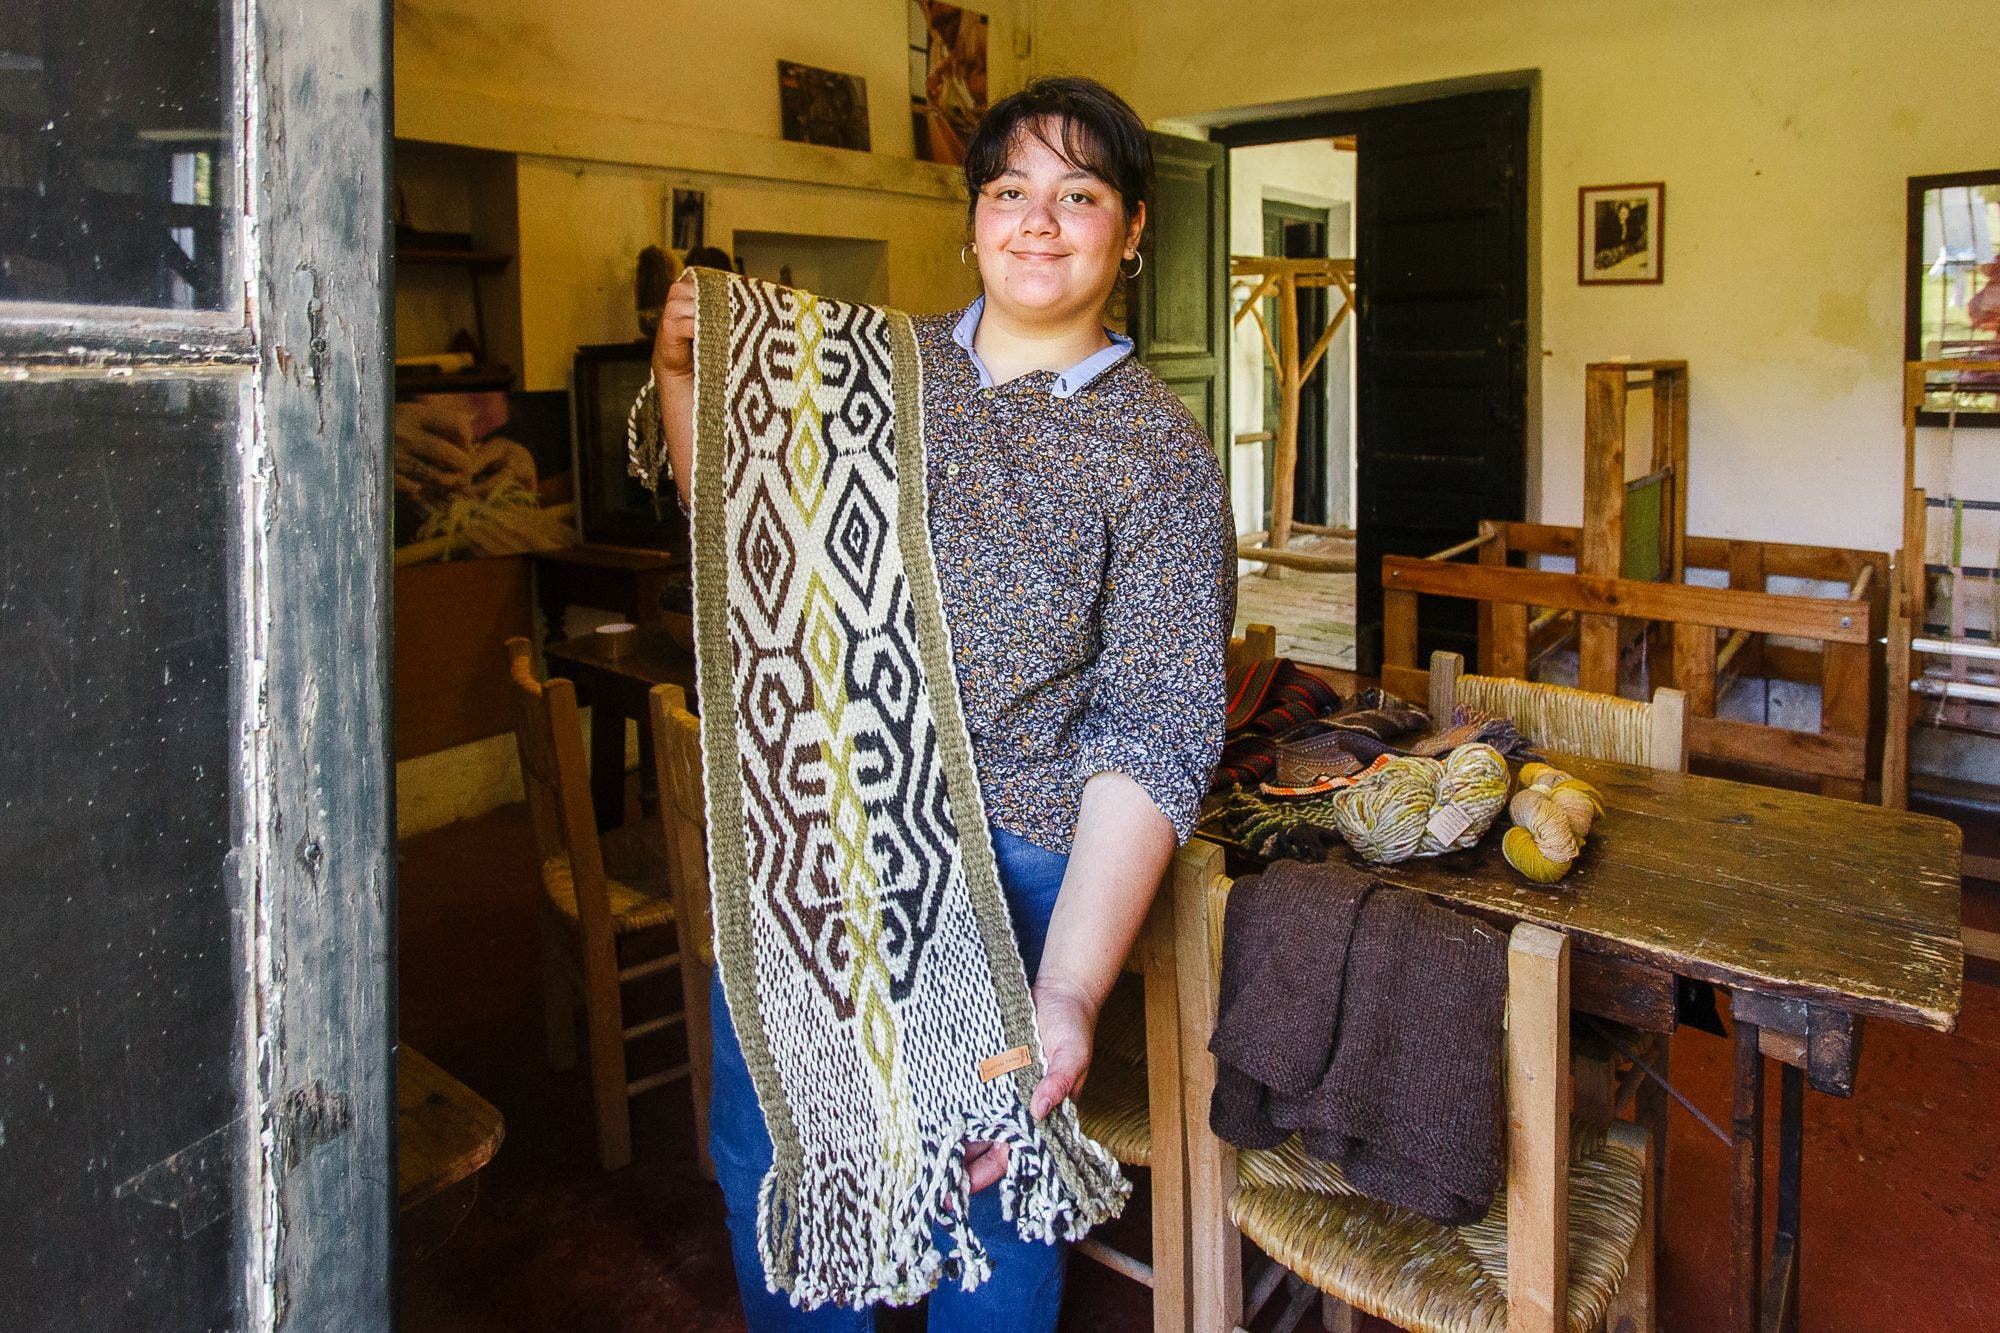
(1086,556)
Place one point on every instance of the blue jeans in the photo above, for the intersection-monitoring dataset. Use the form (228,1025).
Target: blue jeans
(1025,1291)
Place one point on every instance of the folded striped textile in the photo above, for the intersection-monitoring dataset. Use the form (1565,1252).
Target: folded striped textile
(861,934)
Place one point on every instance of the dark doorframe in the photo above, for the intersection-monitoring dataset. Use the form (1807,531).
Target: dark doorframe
(1442,246)
(199,1109)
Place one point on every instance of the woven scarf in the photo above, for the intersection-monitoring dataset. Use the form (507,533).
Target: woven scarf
(862,937)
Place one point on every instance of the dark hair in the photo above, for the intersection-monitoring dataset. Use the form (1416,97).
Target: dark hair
(709,256)
(1100,134)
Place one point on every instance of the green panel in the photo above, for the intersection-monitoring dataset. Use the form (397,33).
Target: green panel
(1642,530)
(1180,302)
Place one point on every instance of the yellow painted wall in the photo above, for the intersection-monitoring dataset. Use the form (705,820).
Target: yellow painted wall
(612,103)
(584,223)
(1784,131)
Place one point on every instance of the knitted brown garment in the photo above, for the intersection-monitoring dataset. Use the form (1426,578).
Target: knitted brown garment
(1395,1006)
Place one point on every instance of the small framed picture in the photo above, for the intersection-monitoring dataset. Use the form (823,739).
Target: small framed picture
(1620,233)
(823,107)
(688,220)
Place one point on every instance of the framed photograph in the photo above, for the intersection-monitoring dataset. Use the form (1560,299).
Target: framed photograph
(1952,293)
(820,106)
(1620,233)
(610,505)
(688,220)
(947,78)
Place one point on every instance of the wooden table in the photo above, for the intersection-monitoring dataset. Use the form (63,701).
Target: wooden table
(616,689)
(1815,913)
(444,1130)
(627,579)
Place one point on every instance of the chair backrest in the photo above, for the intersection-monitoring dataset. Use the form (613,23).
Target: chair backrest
(1537,1085)
(1258,644)
(1580,722)
(684,814)
(548,734)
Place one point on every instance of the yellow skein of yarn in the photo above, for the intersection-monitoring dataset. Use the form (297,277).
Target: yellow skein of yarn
(1416,806)
(1552,814)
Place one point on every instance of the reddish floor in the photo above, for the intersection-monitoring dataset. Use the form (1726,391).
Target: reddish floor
(1901,1203)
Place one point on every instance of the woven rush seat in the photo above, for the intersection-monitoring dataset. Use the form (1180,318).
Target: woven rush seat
(633,907)
(635,880)
(1113,1108)
(1419,1274)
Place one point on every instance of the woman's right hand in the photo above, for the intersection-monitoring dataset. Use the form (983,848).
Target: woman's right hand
(673,345)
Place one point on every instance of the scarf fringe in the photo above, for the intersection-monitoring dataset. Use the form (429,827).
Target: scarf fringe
(1059,1183)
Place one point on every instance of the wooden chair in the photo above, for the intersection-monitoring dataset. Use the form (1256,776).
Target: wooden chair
(1596,726)
(587,911)
(1136,1067)
(684,817)
(1567,1245)
(1572,721)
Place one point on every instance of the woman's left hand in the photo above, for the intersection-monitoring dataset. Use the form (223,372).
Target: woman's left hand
(1067,1022)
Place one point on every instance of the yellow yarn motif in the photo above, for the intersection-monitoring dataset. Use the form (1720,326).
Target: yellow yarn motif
(1552,813)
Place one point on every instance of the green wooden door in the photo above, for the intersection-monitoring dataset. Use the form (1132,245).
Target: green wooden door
(1180,302)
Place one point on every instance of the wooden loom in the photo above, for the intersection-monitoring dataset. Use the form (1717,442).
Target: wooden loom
(1632,555)
(1914,643)
(1264,276)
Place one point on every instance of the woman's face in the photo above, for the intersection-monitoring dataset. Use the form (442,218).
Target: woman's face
(1049,236)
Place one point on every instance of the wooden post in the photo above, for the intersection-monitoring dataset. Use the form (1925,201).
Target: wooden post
(1746,571)
(1492,552)
(1694,667)
(1906,615)
(1510,640)
(1214,1247)
(1746,1134)
(1602,551)
(1537,1130)
(1399,627)
(1844,698)
(1670,450)
(1446,668)
(1668,742)
(1158,946)
(1284,466)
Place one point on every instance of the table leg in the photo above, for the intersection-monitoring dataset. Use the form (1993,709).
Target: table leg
(1781,1289)
(607,765)
(1747,1187)
(554,599)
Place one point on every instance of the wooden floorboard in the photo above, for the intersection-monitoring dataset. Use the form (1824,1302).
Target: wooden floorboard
(1313,614)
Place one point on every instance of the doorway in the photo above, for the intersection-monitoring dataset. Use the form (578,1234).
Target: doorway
(1301,231)
(1441,386)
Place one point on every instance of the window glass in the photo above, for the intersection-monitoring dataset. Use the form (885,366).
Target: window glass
(117,153)
(124,1124)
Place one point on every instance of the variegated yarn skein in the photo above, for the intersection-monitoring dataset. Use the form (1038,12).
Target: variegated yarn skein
(1414,806)
(1552,814)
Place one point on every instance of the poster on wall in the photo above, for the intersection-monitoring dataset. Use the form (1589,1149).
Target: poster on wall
(1953,294)
(1620,233)
(947,78)
(820,106)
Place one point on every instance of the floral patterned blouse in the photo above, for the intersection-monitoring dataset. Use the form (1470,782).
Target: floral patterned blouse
(1087,556)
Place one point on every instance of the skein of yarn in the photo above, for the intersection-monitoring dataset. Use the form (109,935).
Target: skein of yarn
(1552,815)
(1413,806)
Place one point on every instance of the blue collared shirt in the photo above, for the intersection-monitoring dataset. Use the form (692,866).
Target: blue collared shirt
(1073,380)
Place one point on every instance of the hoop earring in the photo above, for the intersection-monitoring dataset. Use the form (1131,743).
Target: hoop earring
(1136,271)
(961,253)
